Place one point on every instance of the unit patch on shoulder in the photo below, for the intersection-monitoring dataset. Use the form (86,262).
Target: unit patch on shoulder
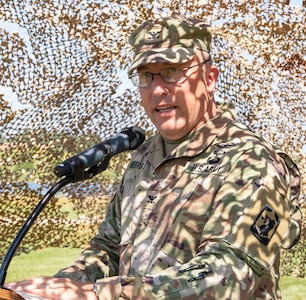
(265,225)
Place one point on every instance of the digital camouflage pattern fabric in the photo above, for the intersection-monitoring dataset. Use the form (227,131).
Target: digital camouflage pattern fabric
(206,221)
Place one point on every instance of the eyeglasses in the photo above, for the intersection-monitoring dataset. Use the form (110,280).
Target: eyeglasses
(169,75)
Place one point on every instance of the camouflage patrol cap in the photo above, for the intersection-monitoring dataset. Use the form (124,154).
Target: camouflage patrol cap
(169,40)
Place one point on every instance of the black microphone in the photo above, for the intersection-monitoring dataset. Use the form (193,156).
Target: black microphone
(128,139)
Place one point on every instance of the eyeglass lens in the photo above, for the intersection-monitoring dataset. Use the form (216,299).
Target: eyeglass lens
(170,75)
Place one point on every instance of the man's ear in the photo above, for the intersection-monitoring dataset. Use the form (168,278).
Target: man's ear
(211,79)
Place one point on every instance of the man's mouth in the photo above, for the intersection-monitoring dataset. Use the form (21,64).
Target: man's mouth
(165,109)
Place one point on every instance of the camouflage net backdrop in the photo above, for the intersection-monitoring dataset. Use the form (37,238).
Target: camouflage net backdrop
(64,88)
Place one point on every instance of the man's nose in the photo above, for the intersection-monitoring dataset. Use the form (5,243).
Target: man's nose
(159,86)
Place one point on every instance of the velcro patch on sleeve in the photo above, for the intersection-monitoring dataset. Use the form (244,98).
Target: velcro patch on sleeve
(265,225)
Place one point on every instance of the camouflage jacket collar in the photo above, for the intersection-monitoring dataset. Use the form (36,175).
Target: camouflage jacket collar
(198,140)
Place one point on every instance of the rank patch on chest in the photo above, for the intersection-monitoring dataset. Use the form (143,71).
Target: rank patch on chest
(265,225)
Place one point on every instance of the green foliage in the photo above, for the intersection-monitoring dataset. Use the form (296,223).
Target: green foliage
(293,261)
(44,262)
(293,288)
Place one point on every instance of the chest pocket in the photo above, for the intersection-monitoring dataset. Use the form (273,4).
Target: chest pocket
(189,205)
(184,211)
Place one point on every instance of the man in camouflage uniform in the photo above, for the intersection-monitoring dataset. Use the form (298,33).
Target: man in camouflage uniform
(204,206)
